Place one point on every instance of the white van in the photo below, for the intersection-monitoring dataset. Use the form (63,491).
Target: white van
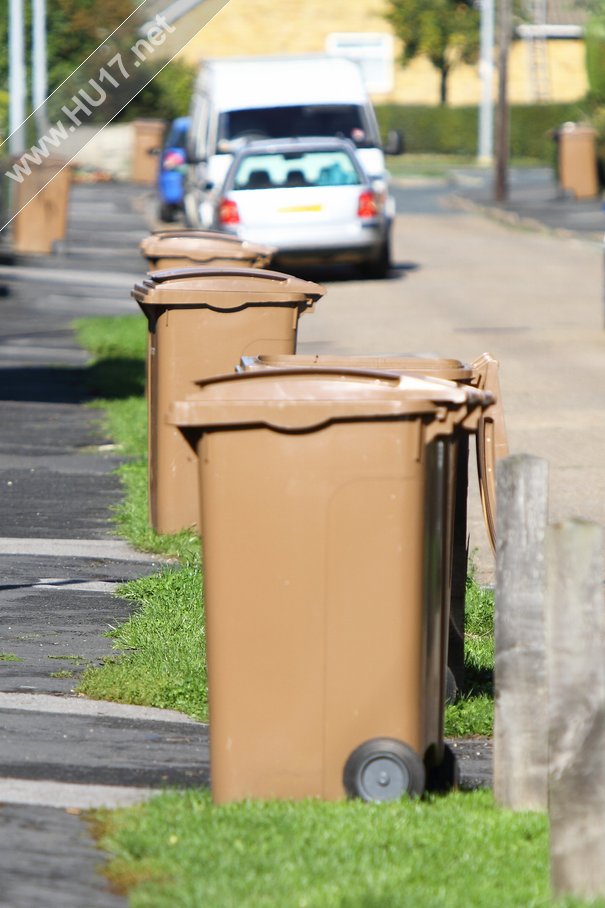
(240,99)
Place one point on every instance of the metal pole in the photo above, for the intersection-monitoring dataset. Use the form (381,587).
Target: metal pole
(39,65)
(502,138)
(486,73)
(16,77)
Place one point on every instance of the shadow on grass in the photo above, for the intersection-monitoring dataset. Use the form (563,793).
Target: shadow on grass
(478,681)
(108,378)
(115,378)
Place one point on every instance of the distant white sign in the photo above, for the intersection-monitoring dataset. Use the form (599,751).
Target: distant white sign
(373,51)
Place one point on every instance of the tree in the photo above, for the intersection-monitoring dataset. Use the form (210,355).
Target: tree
(75,28)
(445,31)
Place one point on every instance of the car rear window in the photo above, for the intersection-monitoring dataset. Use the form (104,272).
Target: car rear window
(292,169)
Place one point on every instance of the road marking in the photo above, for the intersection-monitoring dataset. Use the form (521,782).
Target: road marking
(111,549)
(71,275)
(63,584)
(82,706)
(72,796)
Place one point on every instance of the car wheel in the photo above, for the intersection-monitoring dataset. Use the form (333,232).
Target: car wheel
(378,267)
(167,212)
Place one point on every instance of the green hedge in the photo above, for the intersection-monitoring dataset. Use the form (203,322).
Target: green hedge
(453,130)
(595,55)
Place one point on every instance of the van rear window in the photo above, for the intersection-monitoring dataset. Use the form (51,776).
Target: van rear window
(345,121)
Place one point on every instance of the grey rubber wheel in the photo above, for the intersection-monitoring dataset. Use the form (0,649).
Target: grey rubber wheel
(383,769)
(451,688)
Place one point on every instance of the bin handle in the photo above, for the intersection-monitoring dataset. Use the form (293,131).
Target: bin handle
(257,375)
(492,443)
(175,274)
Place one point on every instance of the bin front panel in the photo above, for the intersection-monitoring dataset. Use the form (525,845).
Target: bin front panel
(189,345)
(314,601)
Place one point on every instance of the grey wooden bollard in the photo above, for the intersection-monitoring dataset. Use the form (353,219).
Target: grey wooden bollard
(520,722)
(576,681)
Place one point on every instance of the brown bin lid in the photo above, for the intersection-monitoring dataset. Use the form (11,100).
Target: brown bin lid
(482,373)
(224,288)
(452,369)
(298,399)
(201,246)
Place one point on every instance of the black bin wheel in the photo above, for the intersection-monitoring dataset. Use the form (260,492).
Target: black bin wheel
(383,769)
(446,776)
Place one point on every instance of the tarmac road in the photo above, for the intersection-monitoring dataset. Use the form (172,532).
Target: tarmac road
(464,284)
(461,284)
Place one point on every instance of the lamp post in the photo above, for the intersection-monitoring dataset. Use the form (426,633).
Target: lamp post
(16,77)
(486,73)
(502,131)
(39,66)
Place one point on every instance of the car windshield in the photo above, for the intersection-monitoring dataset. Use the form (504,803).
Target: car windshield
(346,121)
(290,169)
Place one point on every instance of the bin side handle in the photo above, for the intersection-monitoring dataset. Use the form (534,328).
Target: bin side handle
(492,442)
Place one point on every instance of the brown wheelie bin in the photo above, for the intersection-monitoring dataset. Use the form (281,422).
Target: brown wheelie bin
(40,205)
(323,496)
(191,247)
(491,445)
(200,323)
(148,135)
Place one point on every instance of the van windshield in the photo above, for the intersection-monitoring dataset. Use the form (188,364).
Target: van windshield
(346,121)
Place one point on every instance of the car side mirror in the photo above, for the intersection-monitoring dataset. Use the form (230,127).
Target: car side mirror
(395,143)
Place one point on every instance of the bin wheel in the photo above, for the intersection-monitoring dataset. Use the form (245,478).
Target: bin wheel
(451,688)
(446,775)
(383,769)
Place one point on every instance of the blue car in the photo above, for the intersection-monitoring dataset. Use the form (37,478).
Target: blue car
(173,163)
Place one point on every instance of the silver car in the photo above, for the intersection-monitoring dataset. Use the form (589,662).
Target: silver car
(309,198)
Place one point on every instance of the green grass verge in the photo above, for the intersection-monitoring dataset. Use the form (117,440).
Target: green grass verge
(159,657)
(179,850)
(439,166)
(473,712)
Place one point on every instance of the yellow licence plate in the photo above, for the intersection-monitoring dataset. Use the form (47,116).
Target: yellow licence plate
(292,208)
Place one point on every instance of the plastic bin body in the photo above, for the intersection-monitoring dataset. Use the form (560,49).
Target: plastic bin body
(190,247)
(578,160)
(324,579)
(42,209)
(491,444)
(200,324)
(148,136)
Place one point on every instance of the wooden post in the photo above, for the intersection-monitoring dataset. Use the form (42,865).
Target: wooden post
(520,727)
(576,680)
